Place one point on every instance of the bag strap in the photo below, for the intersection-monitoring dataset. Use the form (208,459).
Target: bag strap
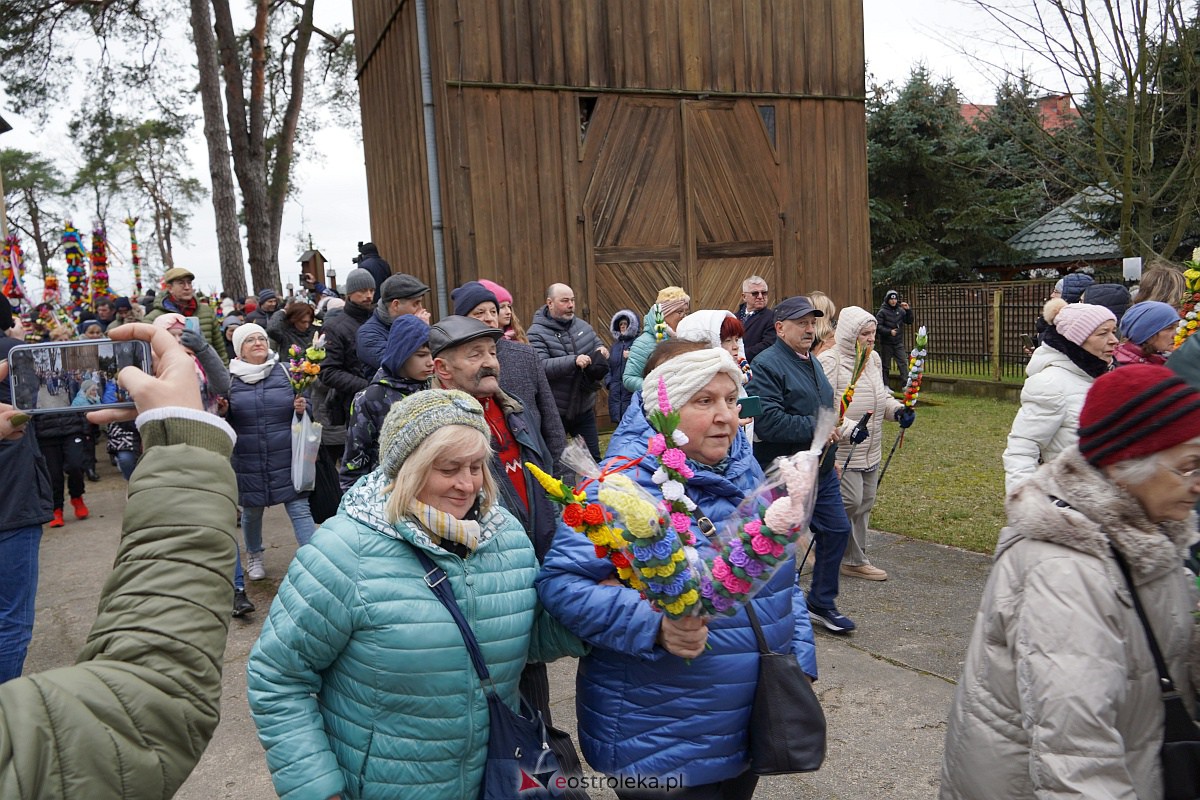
(763,648)
(1164,677)
(438,582)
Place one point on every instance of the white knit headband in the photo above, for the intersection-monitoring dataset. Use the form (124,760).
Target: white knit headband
(686,374)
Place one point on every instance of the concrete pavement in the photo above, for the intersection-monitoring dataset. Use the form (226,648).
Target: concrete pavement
(886,688)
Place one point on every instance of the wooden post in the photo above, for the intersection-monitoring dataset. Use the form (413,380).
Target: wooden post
(997,296)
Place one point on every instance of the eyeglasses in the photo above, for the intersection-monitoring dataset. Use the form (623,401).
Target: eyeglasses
(762,293)
(1188,475)
(254,338)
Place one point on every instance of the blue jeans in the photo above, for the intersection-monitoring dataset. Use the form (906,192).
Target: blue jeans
(831,529)
(239,577)
(126,461)
(18,585)
(297,510)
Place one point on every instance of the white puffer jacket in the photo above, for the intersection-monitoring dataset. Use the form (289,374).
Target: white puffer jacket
(870,393)
(1048,421)
(1059,695)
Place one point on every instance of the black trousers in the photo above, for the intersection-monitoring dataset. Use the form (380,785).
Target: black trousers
(893,351)
(64,458)
(739,788)
(535,688)
(326,495)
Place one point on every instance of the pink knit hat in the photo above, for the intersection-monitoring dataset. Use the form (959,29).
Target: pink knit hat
(502,294)
(1077,321)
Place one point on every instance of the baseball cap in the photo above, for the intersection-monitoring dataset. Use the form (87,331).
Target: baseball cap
(796,307)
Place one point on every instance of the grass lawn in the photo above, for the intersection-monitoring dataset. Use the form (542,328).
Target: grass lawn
(946,482)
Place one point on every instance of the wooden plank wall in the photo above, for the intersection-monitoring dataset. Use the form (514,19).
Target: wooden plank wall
(739,46)
(393,137)
(508,75)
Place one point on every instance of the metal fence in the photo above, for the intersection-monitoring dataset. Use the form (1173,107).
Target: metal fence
(975,328)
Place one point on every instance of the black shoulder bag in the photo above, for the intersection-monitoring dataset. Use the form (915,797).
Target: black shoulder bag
(1181,737)
(787,723)
(519,758)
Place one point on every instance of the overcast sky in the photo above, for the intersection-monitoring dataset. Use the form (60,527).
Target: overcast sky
(330,204)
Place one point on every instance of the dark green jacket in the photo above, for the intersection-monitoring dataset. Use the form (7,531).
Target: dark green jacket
(210,328)
(133,716)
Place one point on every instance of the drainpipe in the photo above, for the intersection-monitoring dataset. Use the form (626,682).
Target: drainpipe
(431,160)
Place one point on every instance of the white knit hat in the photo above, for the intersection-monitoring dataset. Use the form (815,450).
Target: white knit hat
(686,374)
(242,333)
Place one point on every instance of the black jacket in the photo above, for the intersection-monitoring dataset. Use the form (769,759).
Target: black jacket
(558,344)
(22,466)
(342,371)
(893,318)
(522,377)
(760,330)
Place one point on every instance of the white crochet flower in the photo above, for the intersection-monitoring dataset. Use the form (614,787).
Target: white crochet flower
(680,438)
(659,476)
(672,490)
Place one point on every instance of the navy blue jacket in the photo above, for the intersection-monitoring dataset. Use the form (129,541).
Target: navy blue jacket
(372,339)
(642,710)
(262,415)
(618,396)
(760,330)
(793,391)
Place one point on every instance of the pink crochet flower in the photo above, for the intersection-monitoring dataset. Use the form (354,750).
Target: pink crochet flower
(777,550)
(658,443)
(673,459)
(761,544)
(753,526)
(720,569)
(664,402)
(737,585)
(680,521)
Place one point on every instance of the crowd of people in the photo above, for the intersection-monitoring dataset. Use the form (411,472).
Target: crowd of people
(433,434)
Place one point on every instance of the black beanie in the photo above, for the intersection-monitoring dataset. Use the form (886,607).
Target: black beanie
(469,295)
(6,314)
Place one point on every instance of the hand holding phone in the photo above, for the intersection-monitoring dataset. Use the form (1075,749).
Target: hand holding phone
(192,324)
(749,407)
(66,377)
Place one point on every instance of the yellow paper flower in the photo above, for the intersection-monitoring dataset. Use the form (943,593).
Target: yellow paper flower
(676,608)
(678,555)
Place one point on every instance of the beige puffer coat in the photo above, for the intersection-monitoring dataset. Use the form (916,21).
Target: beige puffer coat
(870,393)
(1059,695)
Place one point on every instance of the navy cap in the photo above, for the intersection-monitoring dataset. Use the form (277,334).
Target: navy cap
(796,307)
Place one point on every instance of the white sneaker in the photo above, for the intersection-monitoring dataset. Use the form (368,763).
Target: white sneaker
(254,567)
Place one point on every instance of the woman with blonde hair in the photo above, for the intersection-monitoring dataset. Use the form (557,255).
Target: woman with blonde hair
(1162,281)
(360,683)
(826,324)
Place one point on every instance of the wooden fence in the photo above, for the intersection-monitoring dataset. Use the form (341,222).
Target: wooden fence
(975,328)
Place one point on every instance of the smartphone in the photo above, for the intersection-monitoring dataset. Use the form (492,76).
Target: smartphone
(1029,341)
(749,407)
(63,377)
(192,324)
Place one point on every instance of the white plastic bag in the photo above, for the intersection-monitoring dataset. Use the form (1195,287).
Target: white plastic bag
(306,442)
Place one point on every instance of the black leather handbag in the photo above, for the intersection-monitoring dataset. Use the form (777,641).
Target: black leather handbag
(520,762)
(787,723)
(1181,737)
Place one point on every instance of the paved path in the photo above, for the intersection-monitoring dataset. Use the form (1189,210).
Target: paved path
(886,688)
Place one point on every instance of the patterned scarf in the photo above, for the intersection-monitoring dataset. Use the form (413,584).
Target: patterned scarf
(445,527)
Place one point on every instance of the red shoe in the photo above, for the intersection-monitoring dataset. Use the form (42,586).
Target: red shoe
(81,509)
(57,522)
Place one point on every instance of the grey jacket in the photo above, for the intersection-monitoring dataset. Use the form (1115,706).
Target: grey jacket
(522,377)
(1059,696)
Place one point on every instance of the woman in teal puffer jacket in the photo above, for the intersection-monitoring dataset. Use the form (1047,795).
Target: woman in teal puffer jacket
(360,683)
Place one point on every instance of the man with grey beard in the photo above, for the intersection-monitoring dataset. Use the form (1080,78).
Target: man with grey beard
(464,358)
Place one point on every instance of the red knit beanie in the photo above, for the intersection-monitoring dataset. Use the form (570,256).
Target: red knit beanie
(1134,411)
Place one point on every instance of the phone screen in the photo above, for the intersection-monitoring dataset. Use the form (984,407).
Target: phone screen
(192,324)
(63,377)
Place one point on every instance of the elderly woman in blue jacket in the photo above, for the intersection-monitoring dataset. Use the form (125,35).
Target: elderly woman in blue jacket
(262,407)
(659,697)
(360,684)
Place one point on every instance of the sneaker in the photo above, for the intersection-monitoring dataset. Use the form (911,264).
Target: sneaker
(868,572)
(254,567)
(831,619)
(241,603)
(81,509)
(57,522)
(91,474)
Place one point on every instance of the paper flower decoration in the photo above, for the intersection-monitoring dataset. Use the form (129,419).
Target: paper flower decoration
(305,365)
(916,368)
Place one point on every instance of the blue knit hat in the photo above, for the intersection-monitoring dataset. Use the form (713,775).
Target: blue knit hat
(406,336)
(471,294)
(1143,320)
